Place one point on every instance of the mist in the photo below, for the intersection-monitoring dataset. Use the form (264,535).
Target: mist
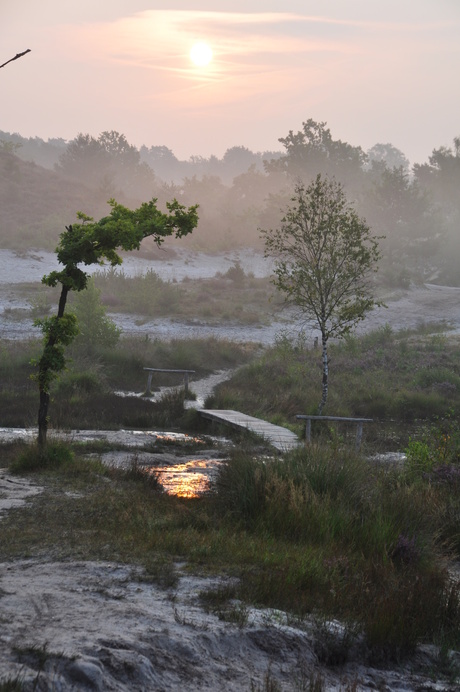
(414,210)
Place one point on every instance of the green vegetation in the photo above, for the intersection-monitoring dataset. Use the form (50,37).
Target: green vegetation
(93,242)
(322,532)
(418,214)
(230,297)
(324,258)
(84,397)
(400,379)
(94,326)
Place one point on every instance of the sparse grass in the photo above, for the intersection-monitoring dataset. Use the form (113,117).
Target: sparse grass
(12,684)
(83,397)
(318,532)
(322,531)
(398,379)
(222,603)
(233,296)
(35,459)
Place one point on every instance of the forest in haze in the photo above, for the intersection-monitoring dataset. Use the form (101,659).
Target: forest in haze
(414,209)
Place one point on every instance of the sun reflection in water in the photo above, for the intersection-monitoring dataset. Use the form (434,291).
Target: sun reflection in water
(190,479)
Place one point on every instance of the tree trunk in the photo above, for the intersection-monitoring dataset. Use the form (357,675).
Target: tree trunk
(43,418)
(43,369)
(325,377)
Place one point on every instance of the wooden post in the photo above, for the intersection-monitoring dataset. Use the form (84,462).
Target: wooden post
(359,435)
(148,391)
(308,431)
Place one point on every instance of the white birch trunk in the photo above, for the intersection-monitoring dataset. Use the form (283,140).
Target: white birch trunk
(325,377)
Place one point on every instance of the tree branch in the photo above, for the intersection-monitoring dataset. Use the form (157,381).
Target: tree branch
(18,55)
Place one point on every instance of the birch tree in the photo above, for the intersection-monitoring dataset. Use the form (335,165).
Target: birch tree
(324,259)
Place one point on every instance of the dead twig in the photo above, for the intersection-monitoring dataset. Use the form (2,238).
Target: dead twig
(18,55)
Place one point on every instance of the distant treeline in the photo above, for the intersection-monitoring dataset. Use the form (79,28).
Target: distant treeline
(161,159)
(417,209)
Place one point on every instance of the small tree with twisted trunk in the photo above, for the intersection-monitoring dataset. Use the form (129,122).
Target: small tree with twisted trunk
(89,242)
(324,257)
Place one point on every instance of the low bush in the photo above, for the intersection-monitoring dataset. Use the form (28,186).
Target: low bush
(232,295)
(83,396)
(35,458)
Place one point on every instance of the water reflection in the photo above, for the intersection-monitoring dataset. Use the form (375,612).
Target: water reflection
(187,478)
(190,479)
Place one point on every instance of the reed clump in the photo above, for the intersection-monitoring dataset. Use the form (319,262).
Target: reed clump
(368,545)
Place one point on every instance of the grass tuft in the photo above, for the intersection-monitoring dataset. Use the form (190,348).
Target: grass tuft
(35,459)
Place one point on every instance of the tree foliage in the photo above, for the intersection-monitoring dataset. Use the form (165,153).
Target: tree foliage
(312,150)
(388,155)
(108,163)
(401,210)
(95,328)
(89,242)
(418,211)
(324,256)
(442,175)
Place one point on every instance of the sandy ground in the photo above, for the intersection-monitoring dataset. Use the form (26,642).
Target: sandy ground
(423,304)
(101,626)
(405,308)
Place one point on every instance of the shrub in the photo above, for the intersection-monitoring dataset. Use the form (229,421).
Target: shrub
(420,459)
(83,382)
(95,328)
(35,459)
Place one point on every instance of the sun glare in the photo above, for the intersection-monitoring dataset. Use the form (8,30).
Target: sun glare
(200,54)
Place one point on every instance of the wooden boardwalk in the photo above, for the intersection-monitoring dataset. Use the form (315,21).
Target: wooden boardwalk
(279,437)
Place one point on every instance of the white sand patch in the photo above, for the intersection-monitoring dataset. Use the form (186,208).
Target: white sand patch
(14,491)
(99,626)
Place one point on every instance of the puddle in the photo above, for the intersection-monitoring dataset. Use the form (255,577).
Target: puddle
(182,475)
(190,479)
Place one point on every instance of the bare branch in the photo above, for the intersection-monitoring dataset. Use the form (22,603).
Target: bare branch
(18,55)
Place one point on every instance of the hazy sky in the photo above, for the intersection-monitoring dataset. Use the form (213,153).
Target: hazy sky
(374,70)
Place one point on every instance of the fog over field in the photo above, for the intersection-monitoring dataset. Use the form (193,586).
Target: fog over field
(414,210)
(228,108)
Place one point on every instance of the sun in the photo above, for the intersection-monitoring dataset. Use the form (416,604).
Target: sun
(200,54)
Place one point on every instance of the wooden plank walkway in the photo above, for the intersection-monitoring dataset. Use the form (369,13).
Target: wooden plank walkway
(279,437)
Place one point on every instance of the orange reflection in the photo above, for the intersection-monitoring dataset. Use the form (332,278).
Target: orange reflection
(184,480)
(171,437)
